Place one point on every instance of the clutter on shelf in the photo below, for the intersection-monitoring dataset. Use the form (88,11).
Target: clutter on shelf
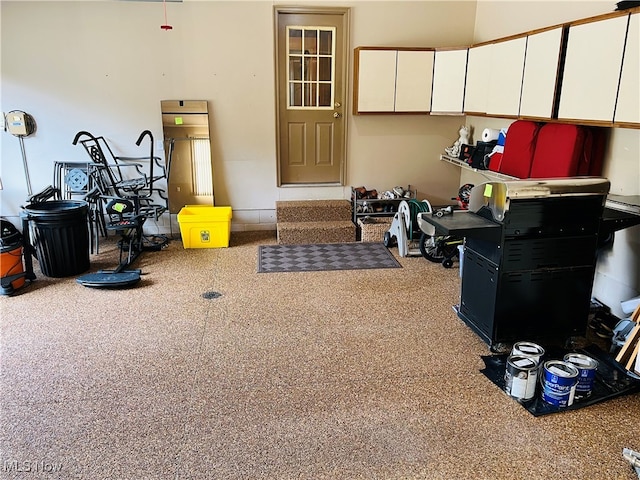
(367,201)
(371,209)
(463,139)
(491,146)
(361,193)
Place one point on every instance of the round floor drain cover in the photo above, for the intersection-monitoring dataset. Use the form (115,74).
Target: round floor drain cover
(211,295)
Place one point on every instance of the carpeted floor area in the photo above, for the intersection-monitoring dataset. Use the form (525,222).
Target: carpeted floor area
(209,370)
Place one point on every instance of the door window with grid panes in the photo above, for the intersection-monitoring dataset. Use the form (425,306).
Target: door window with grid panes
(311,54)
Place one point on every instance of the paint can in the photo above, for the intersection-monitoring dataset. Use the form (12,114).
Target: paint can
(521,377)
(587,367)
(528,348)
(559,380)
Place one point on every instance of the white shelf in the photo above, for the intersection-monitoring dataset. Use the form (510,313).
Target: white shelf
(489,174)
(626,203)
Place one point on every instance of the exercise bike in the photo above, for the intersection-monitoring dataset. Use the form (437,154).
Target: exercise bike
(123,219)
(126,215)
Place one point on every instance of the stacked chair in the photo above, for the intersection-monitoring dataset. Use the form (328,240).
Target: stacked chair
(118,177)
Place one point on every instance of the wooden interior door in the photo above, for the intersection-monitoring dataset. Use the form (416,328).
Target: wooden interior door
(311,79)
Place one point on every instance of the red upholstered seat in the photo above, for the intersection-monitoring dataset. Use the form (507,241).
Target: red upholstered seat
(559,151)
(519,149)
(564,150)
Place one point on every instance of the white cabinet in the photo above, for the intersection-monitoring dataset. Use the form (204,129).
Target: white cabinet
(540,73)
(505,77)
(628,104)
(413,81)
(586,71)
(592,70)
(478,67)
(494,78)
(449,74)
(376,76)
(393,80)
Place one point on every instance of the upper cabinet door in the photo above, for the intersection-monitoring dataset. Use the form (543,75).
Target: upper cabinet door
(376,76)
(478,66)
(449,77)
(628,104)
(592,70)
(392,80)
(505,73)
(540,74)
(413,81)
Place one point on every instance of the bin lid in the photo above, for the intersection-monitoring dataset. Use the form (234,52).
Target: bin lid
(204,213)
(56,206)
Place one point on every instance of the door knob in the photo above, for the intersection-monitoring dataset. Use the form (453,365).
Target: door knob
(336,115)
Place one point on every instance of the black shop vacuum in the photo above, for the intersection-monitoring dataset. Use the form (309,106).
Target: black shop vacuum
(13,275)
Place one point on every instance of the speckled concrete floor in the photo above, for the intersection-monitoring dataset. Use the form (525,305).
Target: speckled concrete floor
(337,375)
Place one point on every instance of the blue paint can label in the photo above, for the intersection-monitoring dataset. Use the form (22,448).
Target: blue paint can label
(587,367)
(559,380)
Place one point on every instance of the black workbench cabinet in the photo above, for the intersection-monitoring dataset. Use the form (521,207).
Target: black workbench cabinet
(533,279)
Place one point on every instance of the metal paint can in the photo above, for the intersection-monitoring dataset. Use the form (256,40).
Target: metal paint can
(528,348)
(587,367)
(559,380)
(521,377)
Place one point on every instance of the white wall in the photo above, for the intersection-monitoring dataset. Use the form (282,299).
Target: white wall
(496,19)
(104,66)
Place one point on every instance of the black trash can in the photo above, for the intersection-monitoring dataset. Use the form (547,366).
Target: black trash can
(59,231)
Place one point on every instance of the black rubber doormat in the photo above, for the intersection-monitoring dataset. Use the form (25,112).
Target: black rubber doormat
(611,380)
(324,256)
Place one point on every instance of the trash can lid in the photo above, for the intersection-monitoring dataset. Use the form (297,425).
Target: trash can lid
(55,205)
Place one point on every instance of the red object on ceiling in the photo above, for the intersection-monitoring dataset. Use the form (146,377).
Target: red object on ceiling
(166,26)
